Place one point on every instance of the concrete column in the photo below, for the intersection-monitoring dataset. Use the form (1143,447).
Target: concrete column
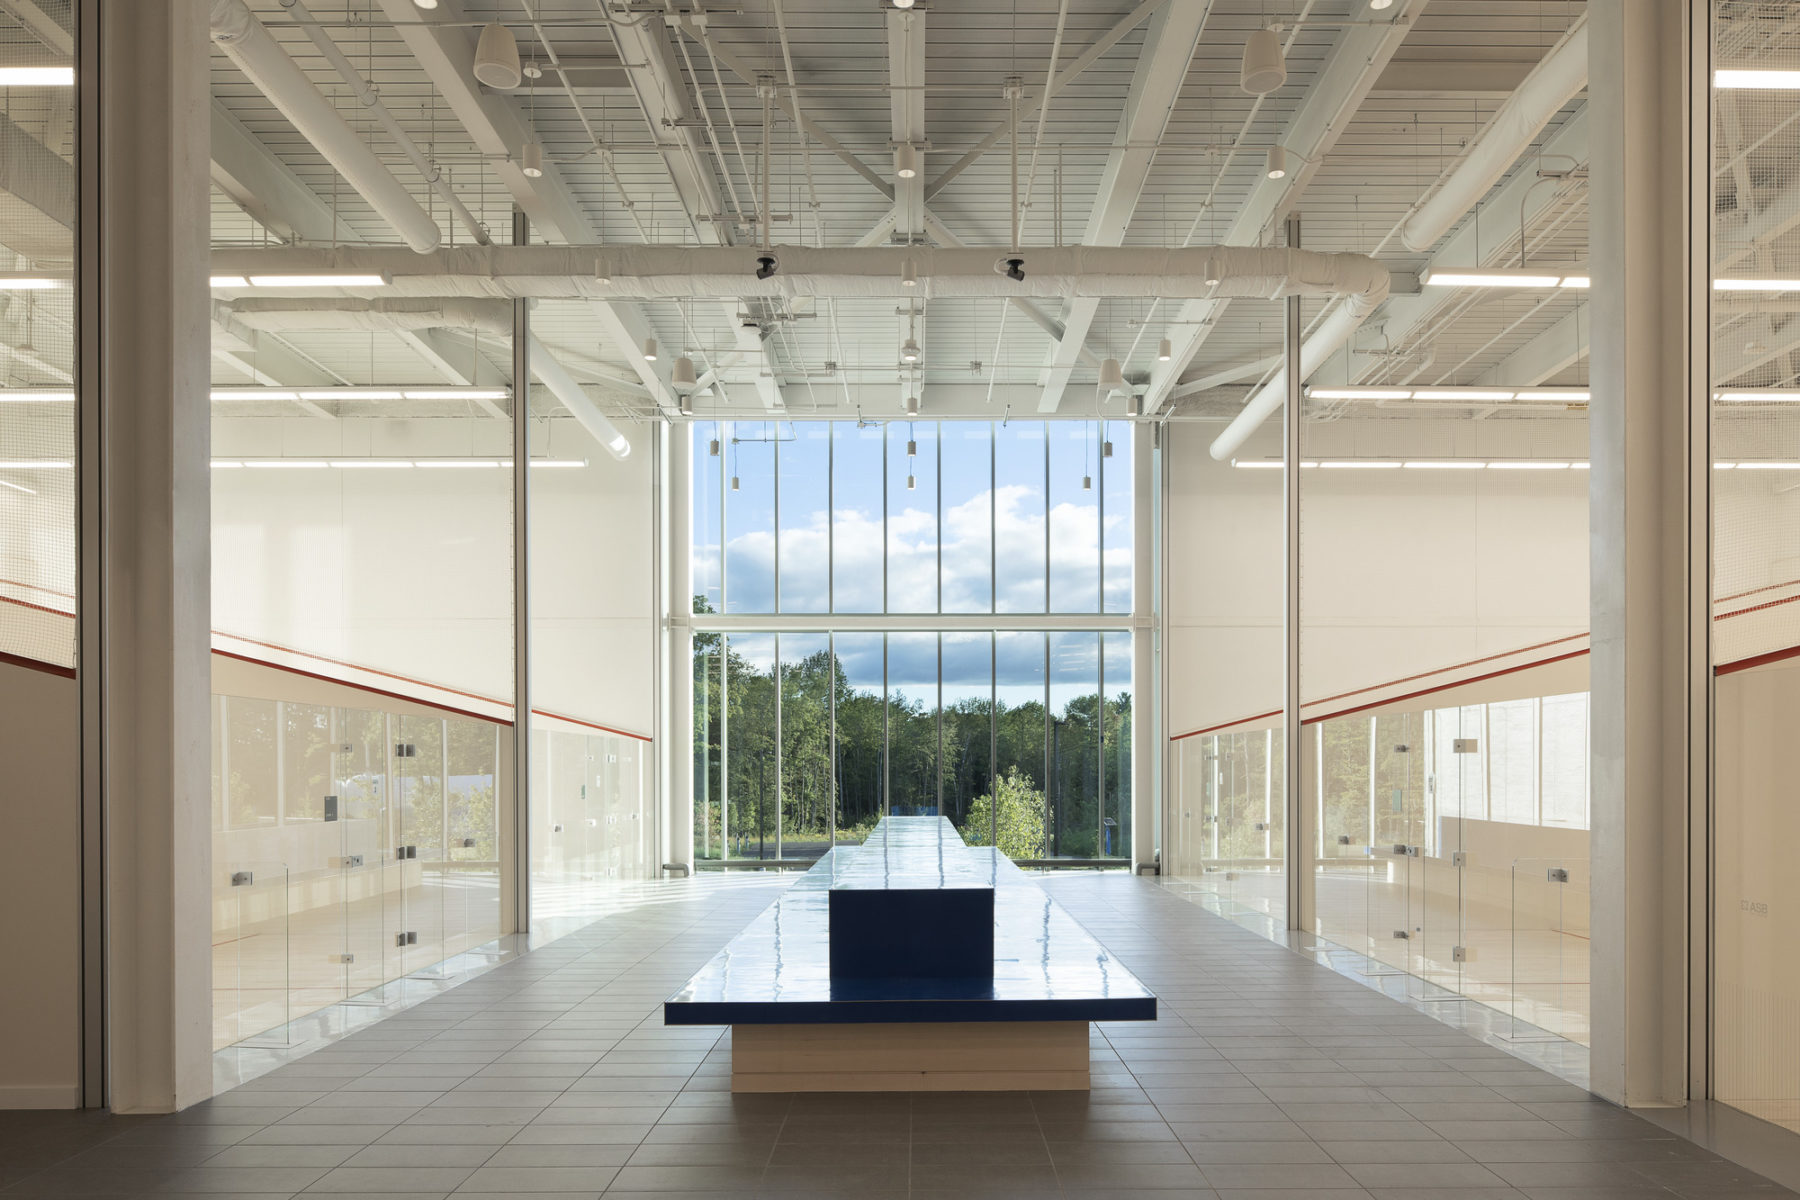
(1648,93)
(146,231)
(1147,734)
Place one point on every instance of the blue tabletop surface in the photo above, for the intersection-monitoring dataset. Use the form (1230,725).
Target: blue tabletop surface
(1046,967)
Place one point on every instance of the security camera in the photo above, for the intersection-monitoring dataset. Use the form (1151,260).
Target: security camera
(766,266)
(1015,269)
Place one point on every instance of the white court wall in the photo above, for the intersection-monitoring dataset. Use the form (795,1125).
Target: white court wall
(409,571)
(1402,571)
(40,760)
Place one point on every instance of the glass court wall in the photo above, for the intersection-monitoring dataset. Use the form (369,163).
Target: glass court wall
(807,732)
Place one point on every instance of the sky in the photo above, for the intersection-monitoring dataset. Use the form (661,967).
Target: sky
(845,512)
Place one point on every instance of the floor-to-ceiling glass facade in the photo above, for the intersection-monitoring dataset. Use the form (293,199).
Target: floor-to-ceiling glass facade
(986,672)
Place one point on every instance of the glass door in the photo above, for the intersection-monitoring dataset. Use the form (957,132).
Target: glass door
(418,853)
(360,785)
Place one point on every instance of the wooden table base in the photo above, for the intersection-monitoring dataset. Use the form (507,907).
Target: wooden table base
(976,1056)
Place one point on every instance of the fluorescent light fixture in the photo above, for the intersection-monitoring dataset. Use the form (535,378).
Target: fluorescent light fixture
(18,487)
(1756,285)
(285,464)
(253,394)
(454,394)
(11,281)
(1461,394)
(27,396)
(351,394)
(1358,464)
(230,281)
(1528,465)
(370,464)
(557,462)
(1256,464)
(11,77)
(1768,465)
(1485,277)
(456,464)
(226,464)
(36,464)
(1739,78)
(1577,281)
(1751,397)
(1359,393)
(1571,394)
(344,279)
(1580,465)
(1454,464)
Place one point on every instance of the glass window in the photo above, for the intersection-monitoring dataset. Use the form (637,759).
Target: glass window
(1117,499)
(967,683)
(857,500)
(1565,760)
(750,519)
(707,515)
(709,745)
(912,675)
(1021,525)
(753,788)
(806,674)
(1074,517)
(1018,808)
(967,479)
(804,451)
(1115,744)
(861,733)
(912,517)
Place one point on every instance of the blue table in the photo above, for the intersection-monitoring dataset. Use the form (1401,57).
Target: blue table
(862,975)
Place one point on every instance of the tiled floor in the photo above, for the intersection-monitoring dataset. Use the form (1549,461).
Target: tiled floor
(1268,1077)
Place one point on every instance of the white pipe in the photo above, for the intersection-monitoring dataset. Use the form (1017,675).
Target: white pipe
(1551,84)
(710,272)
(562,385)
(1331,334)
(371,100)
(237,32)
(380,316)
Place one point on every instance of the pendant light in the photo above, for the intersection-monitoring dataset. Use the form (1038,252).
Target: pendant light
(1134,406)
(909,274)
(1275,163)
(683,374)
(1264,69)
(912,406)
(1164,351)
(909,350)
(906,160)
(649,349)
(912,451)
(712,448)
(497,57)
(532,159)
(1112,378)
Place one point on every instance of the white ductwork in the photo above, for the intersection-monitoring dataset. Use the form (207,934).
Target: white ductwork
(378,316)
(562,385)
(700,272)
(1331,334)
(1551,84)
(237,32)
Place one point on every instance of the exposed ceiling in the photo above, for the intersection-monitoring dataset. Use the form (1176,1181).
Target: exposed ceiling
(652,125)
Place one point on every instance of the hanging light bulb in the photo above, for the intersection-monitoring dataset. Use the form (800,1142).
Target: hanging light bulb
(1112,378)
(532,160)
(1263,69)
(497,57)
(649,349)
(1275,163)
(909,275)
(1164,351)
(906,160)
(909,350)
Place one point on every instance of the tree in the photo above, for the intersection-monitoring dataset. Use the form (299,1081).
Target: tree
(1021,817)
